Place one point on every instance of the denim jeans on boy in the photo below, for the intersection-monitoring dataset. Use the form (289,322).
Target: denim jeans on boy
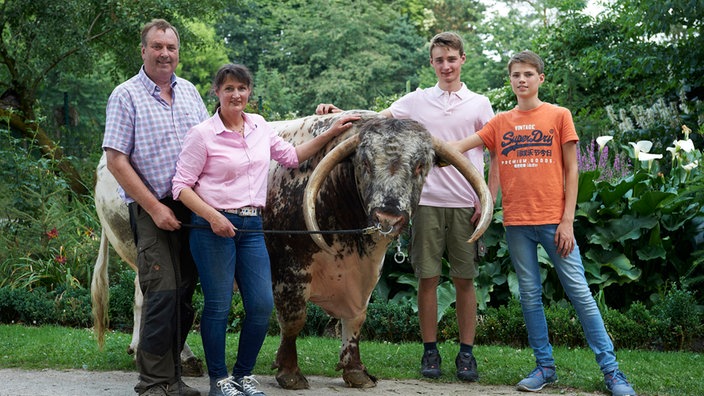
(220,261)
(523,246)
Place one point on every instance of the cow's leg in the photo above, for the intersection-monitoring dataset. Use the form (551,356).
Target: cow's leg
(291,322)
(137,310)
(354,373)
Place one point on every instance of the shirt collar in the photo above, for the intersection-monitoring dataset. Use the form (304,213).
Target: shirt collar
(219,126)
(149,84)
(461,93)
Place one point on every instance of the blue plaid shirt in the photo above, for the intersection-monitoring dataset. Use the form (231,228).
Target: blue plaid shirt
(140,124)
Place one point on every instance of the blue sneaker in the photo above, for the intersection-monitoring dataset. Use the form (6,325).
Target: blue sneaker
(537,379)
(618,385)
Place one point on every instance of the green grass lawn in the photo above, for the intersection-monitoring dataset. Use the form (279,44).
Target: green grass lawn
(652,373)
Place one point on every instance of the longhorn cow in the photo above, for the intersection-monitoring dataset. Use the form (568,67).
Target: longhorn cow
(370,176)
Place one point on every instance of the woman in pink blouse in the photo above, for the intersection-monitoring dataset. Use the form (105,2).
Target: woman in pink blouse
(221,175)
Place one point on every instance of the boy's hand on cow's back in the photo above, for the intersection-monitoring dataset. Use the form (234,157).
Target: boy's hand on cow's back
(327,108)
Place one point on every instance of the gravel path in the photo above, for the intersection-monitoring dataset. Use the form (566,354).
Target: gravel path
(15,382)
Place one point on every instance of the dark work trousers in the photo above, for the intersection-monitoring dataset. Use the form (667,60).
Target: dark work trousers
(167,277)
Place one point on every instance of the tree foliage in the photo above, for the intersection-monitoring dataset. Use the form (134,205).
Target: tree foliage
(356,52)
(633,53)
(40,37)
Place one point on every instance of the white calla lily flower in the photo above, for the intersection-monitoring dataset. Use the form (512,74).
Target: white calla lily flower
(649,156)
(642,146)
(602,140)
(690,166)
(685,145)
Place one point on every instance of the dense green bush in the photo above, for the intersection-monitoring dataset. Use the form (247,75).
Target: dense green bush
(673,323)
(634,329)
(392,322)
(502,325)
(679,318)
(26,306)
(122,300)
(73,307)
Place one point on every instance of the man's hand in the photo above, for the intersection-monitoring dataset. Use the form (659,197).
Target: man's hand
(327,108)
(164,217)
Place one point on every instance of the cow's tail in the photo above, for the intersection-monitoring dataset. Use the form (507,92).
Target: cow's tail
(100,292)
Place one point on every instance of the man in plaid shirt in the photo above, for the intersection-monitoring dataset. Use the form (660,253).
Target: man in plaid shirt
(148,117)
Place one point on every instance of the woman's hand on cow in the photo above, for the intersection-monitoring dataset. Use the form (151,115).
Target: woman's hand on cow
(343,124)
(326,108)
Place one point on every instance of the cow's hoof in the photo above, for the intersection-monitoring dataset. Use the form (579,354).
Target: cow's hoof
(292,381)
(359,379)
(192,367)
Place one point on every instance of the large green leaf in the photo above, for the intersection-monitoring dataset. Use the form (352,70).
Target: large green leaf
(654,249)
(586,187)
(611,193)
(650,202)
(446,297)
(617,261)
(620,230)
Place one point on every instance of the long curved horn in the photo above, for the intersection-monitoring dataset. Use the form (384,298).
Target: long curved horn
(475,179)
(320,173)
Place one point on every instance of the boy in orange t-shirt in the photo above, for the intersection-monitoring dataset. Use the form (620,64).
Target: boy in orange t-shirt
(535,146)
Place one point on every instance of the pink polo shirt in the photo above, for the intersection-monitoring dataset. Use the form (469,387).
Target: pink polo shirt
(448,116)
(227,170)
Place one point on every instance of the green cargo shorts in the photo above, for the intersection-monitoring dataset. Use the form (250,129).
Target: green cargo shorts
(439,231)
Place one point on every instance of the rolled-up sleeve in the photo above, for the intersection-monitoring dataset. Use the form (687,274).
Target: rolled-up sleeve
(282,151)
(191,161)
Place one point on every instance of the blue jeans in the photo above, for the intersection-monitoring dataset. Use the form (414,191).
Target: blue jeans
(220,262)
(523,247)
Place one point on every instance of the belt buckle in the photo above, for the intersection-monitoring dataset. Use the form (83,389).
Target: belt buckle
(248,211)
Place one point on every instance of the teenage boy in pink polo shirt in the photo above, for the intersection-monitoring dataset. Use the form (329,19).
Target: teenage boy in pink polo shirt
(449,207)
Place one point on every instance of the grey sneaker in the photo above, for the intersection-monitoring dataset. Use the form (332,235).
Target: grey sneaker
(617,384)
(224,387)
(430,364)
(537,379)
(248,386)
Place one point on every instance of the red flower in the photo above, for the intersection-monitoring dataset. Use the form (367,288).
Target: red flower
(60,259)
(52,234)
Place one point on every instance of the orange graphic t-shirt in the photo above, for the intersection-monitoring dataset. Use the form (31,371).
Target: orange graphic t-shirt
(528,146)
